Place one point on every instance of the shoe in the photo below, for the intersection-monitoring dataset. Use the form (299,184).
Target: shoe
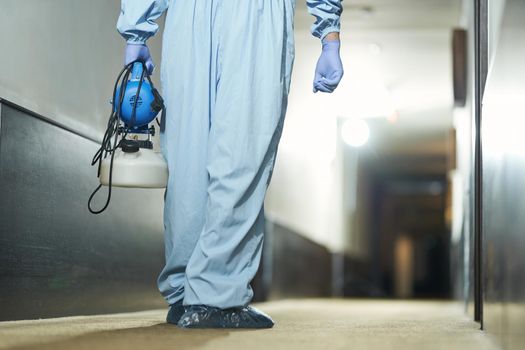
(175,312)
(202,316)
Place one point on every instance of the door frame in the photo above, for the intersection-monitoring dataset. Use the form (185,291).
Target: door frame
(480,71)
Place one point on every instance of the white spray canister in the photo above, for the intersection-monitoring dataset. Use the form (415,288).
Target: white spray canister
(137,168)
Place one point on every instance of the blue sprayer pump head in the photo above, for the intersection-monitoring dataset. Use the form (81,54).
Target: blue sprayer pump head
(136,107)
(145,112)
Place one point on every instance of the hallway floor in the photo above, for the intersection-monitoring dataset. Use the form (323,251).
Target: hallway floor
(300,324)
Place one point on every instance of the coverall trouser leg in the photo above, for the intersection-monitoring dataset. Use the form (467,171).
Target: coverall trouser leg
(226,71)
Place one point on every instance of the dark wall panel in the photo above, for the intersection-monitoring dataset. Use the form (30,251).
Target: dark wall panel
(56,258)
(299,267)
(294,266)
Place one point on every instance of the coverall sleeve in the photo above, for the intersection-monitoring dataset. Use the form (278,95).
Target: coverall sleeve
(137,19)
(327,15)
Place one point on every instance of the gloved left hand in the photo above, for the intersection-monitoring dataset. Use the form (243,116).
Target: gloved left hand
(141,53)
(329,70)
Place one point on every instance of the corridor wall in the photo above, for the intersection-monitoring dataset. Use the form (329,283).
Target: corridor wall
(57,68)
(503,173)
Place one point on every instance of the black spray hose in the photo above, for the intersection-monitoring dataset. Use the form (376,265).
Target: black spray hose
(112,129)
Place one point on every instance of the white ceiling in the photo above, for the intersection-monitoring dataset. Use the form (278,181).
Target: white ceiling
(397,58)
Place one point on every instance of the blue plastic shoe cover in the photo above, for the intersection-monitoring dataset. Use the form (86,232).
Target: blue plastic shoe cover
(175,312)
(202,316)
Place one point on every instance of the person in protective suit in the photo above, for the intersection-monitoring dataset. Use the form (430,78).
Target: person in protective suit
(226,69)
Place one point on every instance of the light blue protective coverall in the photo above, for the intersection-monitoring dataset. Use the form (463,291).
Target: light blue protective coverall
(226,68)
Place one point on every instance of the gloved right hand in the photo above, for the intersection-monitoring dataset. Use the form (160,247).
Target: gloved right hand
(141,53)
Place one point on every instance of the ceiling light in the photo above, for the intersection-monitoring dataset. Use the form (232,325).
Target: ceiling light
(355,132)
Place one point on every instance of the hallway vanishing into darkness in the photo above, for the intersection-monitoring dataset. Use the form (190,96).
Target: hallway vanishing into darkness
(394,218)
(300,324)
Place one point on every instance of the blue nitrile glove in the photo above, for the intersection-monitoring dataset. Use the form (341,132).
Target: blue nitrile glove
(329,70)
(139,52)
